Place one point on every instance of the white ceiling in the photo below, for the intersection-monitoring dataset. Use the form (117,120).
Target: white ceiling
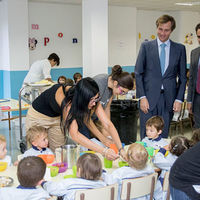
(162,5)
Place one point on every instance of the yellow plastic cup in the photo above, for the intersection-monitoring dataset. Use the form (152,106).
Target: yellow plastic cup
(107,163)
(74,168)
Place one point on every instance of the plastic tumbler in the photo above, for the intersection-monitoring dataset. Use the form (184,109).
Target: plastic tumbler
(107,163)
(150,151)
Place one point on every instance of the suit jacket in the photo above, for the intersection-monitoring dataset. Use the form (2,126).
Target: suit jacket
(149,78)
(194,59)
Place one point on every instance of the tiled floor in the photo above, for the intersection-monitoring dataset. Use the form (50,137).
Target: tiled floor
(12,145)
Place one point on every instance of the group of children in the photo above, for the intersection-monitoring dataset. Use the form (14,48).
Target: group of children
(31,169)
(69,82)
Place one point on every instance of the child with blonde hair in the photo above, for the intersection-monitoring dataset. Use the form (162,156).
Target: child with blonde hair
(37,137)
(138,167)
(30,174)
(89,170)
(3,151)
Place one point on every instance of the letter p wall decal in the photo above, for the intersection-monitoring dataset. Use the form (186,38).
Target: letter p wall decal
(46,40)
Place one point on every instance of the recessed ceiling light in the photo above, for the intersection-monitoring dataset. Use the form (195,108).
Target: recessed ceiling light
(188,3)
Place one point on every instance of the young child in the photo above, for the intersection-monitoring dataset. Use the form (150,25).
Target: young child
(62,80)
(77,77)
(3,151)
(177,146)
(37,137)
(154,127)
(30,173)
(195,137)
(89,169)
(137,159)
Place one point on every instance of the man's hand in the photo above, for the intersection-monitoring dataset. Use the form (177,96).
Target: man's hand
(177,106)
(144,105)
(189,107)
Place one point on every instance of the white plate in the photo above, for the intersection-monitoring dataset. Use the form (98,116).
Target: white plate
(39,84)
(5,181)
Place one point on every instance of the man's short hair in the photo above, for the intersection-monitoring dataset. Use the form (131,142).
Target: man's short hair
(30,171)
(156,121)
(54,57)
(164,19)
(197,27)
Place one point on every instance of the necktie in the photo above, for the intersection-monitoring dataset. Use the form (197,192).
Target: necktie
(198,79)
(162,57)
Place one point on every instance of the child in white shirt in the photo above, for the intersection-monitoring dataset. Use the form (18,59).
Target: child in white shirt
(3,151)
(137,159)
(177,146)
(37,137)
(30,173)
(89,170)
(154,127)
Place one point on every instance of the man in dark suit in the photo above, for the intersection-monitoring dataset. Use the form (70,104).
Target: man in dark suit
(160,76)
(193,97)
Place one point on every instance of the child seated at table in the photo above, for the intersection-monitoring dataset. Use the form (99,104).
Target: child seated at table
(62,80)
(89,170)
(154,127)
(138,167)
(77,77)
(195,137)
(30,173)
(177,146)
(37,138)
(3,151)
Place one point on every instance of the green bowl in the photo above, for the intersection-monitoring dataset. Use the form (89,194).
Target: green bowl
(70,176)
(122,163)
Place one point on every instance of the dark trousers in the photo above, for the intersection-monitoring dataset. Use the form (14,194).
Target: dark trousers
(160,110)
(196,110)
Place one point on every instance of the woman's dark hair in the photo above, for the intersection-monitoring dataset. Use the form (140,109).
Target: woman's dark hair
(179,144)
(124,79)
(54,57)
(79,97)
(30,171)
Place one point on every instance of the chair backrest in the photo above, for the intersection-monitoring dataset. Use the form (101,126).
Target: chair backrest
(138,187)
(108,193)
(166,185)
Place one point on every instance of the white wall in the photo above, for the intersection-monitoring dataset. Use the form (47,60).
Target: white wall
(122,35)
(53,19)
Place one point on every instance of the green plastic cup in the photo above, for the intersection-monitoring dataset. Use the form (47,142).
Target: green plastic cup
(74,168)
(54,170)
(107,163)
(150,151)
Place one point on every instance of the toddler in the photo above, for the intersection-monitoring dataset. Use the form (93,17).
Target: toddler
(137,159)
(195,137)
(3,151)
(177,146)
(89,169)
(37,137)
(62,80)
(154,127)
(77,77)
(30,173)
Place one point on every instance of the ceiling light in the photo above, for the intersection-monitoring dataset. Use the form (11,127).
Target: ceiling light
(188,4)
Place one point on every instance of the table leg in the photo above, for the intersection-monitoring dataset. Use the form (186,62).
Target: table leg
(9,120)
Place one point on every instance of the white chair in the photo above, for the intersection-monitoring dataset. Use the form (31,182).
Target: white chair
(139,187)
(166,185)
(105,193)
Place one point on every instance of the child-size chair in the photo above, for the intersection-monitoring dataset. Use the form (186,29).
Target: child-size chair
(138,187)
(108,193)
(166,189)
